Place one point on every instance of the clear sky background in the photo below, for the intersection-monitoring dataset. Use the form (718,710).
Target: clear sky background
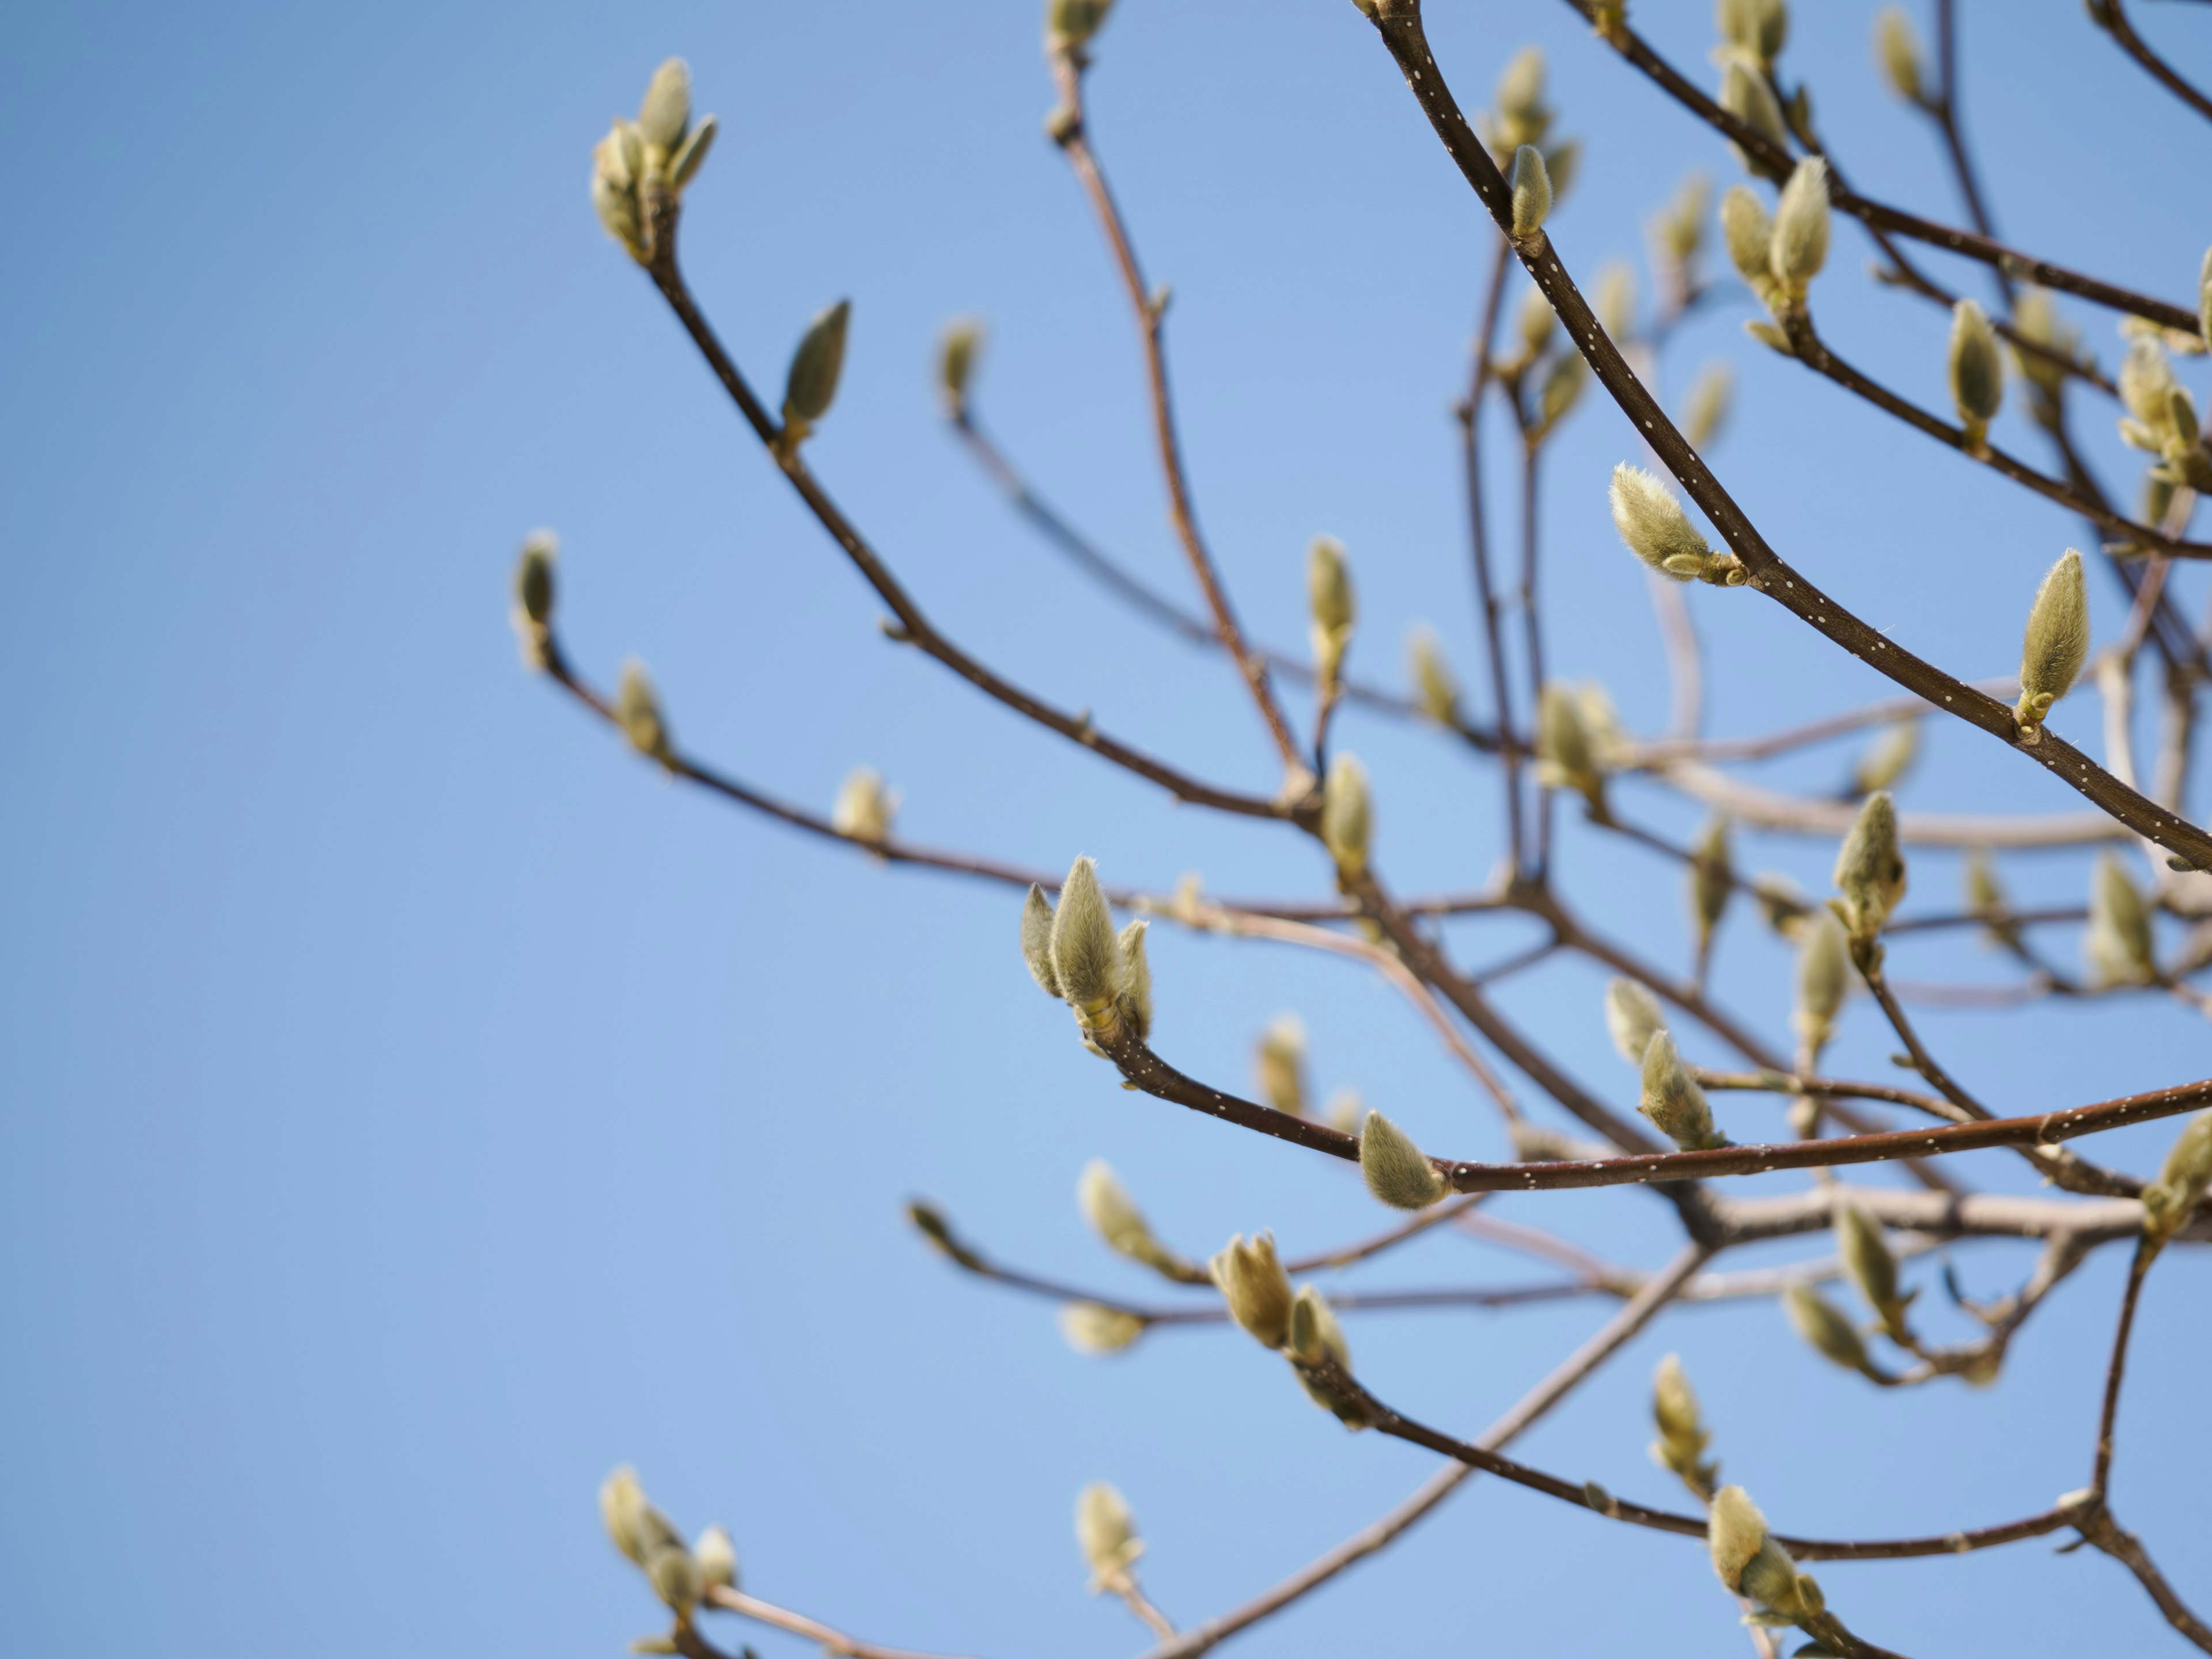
(410,1107)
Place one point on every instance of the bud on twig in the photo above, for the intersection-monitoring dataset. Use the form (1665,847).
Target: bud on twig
(1632,1018)
(1106,1533)
(665,115)
(1869,869)
(1134,998)
(1976,369)
(1752,1565)
(1315,1338)
(1086,957)
(1395,1169)
(1090,1328)
(1330,602)
(1712,881)
(1652,525)
(1824,1327)
(638,1531)
(1758,27)
(1113,1215)
(617,162)
(1280,1063)
(864,808)
(1823,977)
(811,385)
(1745,95)
(2054,645)
(1347,818)
(1683,1436)
(1873,1267)
(533,596)
(1897,50)
(1532,192)
(1523,118)
(1705,410)
(2117,940)
(1565,757)
(929,1221)
(957,350)
(1036,940)
(1801,230)
(1434,687)
(1070,24)
(1672,1100)
(637,706)
(675,1577)
(1534,323)
(1748,231)
(1887,758)
(717,1556)
(2170,1200)
(1253,1285)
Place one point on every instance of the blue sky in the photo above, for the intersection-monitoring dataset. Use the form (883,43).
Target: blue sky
(410,1107)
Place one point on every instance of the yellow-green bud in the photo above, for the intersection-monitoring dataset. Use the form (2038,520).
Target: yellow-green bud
(534,596)
(957,350)
(1823,977)
(684,166)
(811,385)
(2146,385)
(1343,1111)
(1652,525)
(1036,940)
(1896,51)
(1069,24)
(2119,939)
(1976,369)
(1705,410)
(2170,1200)
(1086,957)
(1748,232)
(1534,322)
(1562,389)
(1758,27)
(1106,1533)
(1873,1266)
(1679,227)
(717,1556)
(1134,997)
(1532,192)
(1869,869)
(1433,684)
(1253,1285)
(1745,95)
(1683,1436)
(638,1531)
(1522,117)
(1090,1328)
(1735,1533)
(1113,1215)
(1985,894)
(864,808)
(1887,758)
(1672,1100)
(1395,1169)
(930,1222)
(1559,164)
(1823,1327)
(1800,228)
(1782,902)
(637,706)
(1279,1062)
(1615,289)
(1346,816)
(665,115)
(1314,1336)
(1565,757)
(1632,1018)
(1712,879)
(2054,645)
(617,161)
(675,1577)
(1330,601)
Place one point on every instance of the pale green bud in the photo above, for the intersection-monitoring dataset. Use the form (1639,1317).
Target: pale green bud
(1562,388)
(1705,411)
(2056,643)
(1976,369)
(675,1577)
(1280,1064)
(1395,1169)
(2036,318)
(929,1221)
(2146,383)
(1086,957)
(1106,1533)
(1134,999)
(1823,976)
(1343,1111)
(1896,51)
(1113,1215)
(957,350)
(1600,724)
(1654,527)
(1632,1018)
(1683,1436)
(1745,95)
(1328,586)
(864,808)
(637,706)
(1748,232)
(1615,289)
(1534,323)
(1347,814)
(665,115)
(1433,684)
(1532,192)
(811,385)
(691,153)
(638,1531)
(2119,939)
(1069,24)
(1887,758)
(1522,117)
(1782,902)
(1735,1533)
(1712,879)
(1672,1100)
(1758,27)
(1871,1262)
(717,1556)
(1314,1336)
(534,596)
(1771,1580)
(1679,229)
(1253,1285)
(617,161)
(1565,757)
(1817,1321)
(1090,1329)
(1985,894)
(1869,870)
(2170,1200)
(1800,228)
(1036,940)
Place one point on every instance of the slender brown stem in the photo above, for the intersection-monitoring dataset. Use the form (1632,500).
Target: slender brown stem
(2106,1533)
(1470,418)
(2108,1417)
(1533,633)
(2111,15)
(833,1642)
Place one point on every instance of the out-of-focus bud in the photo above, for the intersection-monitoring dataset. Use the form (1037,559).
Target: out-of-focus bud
(1884,761)
(1823,977)
(1532,192)
(864,808)
(1070,24)
(638,1529)
(1036,940)
(1800,230)
(1397,1170)
(1106,1533)
(1705,410)
(1683,1436)
(929,1221)
(2204,299)
(533,596)
(1873,1267)
(1316,1337)
(1712,881)
(957,350)
(1565,757)
(1678,231)
(1534,323)
(2170,1200)
(1343,1111)
(2117,940)
(1632,1018)
(1752,1565)
(1434,686)
(1672,1100)
(1985,894)
(1758,27)
(1783,903)
(1086,956)
(811,385)
(1745,95)
(1615,289)
(1346,815)
(1331,603)
(1113,1215)
(717,1556)
(1976,369)
(1253,1285)
(1562,389)
(1090,1327)
(637,706)
(1896,51)
(692,155)
(676,1579)
(1869,869)
(1523,118)
(1134,998)
(616,162)
(1559,164)
(1279,1063)
(665,115)
(1824,1327)
(1747,230)
(1652,525)
(2054,645)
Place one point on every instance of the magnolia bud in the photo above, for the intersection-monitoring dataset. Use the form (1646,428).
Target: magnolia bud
(811,385)
(665,115)
(1897,50)
(1253,1285)
(2055,645)
(1869,870)
(1680,226)
(1433,684)
(1565,757)
(1347,818)
(929,1221)
(957,348)
(1280,1063)
(1523,118)
(2169,1201)
(1976,371)
(1748,231)
(1653,527)
(1562,389)
(1800,228)
(1758,27)
(2119,939)
(1395,1169)
(1559,164)
(1106,1533)
(1329,598)
(691,153)
(1113,1215)
(1036,940)
(533,596)
(1873,1267)
(1705,411)
(637,706)
(1817,1320)
(1985,895)
(1683,1436)
(676,1579)
(1823,977)
(717,1556)
(1315,1334)
(1672,1100)
(1887,758)
(864,808)
(1090,1328)
(1069,24)
(1782,902)
(1532,192)
(2146,381)
(1615,289)
(2204,299)
(617,161)
(1134,994)
(1535,321)
(1712,880)
(1735,1533)
(1343,1111)
(1745,95)
(1632,1018)
(1086,957)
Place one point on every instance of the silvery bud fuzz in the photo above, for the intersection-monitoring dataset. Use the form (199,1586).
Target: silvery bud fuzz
(1253,1285)
(1086,956)
(1346,815)
(1652,525)
(1672,1100)
(1632,1018)
(1532,192)
(2169,1201)
(1869,870)
(1976,369)
(1800,230)
(1106,1533)
(2055,645)
(1397,1170)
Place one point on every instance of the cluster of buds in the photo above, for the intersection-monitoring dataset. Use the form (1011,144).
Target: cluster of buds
(1298,1324)
(1074,954)
(1113,1215)
(1778,256)
(2162,417)
(649,159)
(1752,1565)
(1653,527)
(680,1574)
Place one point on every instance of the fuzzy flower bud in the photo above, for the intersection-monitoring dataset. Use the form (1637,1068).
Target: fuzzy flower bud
(1823,976)
(1069,24)
(1751,1563)
(1523,118)
(2054,645)
(637,706)
(1758,27)
(1565,757)
(1872,1265)
(1977,369)
(1113,1215)
(1257,1290)
(1395,1169)
(1887,758)
(665,115)
(1106,1533)
(1433,684)
(2118,940)
(1800,230)
(1683,1436)
(1036,940)
(1279,1063)
(1869,870)
(1532,192)
(1712,880)
(1705,410)
(864,808)
(1632,1018)
(2169,1201)
(1896,51)
(638,1531)
(1086,957)
(1317,1337)
(1652,525)
(1672,1100)
(1347,814)
(1823,1327)
(1134,996)
(1745,95)
(1747,229)
(957,350)
(533,596)
(717,1556)
(811,385)
(618,164)
(1090,1329)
